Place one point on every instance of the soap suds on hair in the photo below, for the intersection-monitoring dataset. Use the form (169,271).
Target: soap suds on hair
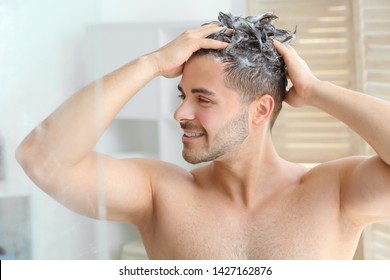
(252,65)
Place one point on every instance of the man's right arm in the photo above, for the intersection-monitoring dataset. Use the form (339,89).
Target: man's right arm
(58,154)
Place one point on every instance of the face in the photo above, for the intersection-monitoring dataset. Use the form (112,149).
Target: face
(211,115)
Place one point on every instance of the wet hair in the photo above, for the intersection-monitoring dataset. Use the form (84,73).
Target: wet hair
(252,65)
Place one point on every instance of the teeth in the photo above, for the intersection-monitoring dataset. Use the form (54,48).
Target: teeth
(193,134)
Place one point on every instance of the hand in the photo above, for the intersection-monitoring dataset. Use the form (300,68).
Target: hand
(169,60)
(300,75)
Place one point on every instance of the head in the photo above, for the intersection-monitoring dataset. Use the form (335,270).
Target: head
(218,87)
(211,114)
(252,66)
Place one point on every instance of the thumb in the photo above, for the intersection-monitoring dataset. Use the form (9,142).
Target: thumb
(290,97)
(291,91)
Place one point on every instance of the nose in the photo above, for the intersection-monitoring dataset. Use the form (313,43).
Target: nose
(184,112)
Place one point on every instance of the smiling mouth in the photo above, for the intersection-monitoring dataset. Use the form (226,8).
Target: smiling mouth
(193,134)
(188,136)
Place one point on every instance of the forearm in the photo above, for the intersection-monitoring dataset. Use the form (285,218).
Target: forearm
(366,115)
(72,131)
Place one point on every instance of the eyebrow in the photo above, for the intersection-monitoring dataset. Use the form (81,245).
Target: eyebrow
(198,90)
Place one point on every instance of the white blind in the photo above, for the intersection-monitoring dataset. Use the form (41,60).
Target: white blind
(377,242)
(325,41)
(374,27)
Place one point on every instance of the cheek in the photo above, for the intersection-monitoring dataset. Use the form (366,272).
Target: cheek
(214,118)
(210,121)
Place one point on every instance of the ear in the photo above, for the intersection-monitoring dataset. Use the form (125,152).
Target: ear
(264,106)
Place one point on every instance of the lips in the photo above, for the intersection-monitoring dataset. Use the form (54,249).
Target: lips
(191,131)
(193,134)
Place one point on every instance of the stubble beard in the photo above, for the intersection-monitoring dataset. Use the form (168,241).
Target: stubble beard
(225,140)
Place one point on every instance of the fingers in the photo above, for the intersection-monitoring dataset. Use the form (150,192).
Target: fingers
(170,57)
(290,92)
(212,44)
(283,49)
(279,46)
(200,34)
(208,29)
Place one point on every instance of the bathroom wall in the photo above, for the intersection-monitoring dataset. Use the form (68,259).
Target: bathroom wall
(40,60)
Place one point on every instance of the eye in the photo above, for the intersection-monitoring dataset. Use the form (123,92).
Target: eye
(181,96)
(204,100)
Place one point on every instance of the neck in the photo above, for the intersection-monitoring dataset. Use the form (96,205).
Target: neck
(249,172)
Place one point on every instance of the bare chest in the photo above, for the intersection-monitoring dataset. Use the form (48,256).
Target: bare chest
(280,229)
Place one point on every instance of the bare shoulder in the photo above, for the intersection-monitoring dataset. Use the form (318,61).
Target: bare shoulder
(320,183)
(335,169)
(328,176)
(163,176)
(158,170)
(359,184)
(141,185)
(344,170)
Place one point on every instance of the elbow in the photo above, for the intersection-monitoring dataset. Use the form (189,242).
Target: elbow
(24,156)
(30,158)
(21,155)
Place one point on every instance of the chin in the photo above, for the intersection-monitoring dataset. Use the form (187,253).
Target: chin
(195,159)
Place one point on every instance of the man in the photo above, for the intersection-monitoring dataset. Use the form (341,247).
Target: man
(247,203)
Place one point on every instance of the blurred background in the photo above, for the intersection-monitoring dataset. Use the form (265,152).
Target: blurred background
(49,49)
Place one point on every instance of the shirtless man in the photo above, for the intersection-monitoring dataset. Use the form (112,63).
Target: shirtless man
(247,203)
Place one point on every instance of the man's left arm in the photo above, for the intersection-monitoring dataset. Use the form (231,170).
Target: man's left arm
(364,182)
